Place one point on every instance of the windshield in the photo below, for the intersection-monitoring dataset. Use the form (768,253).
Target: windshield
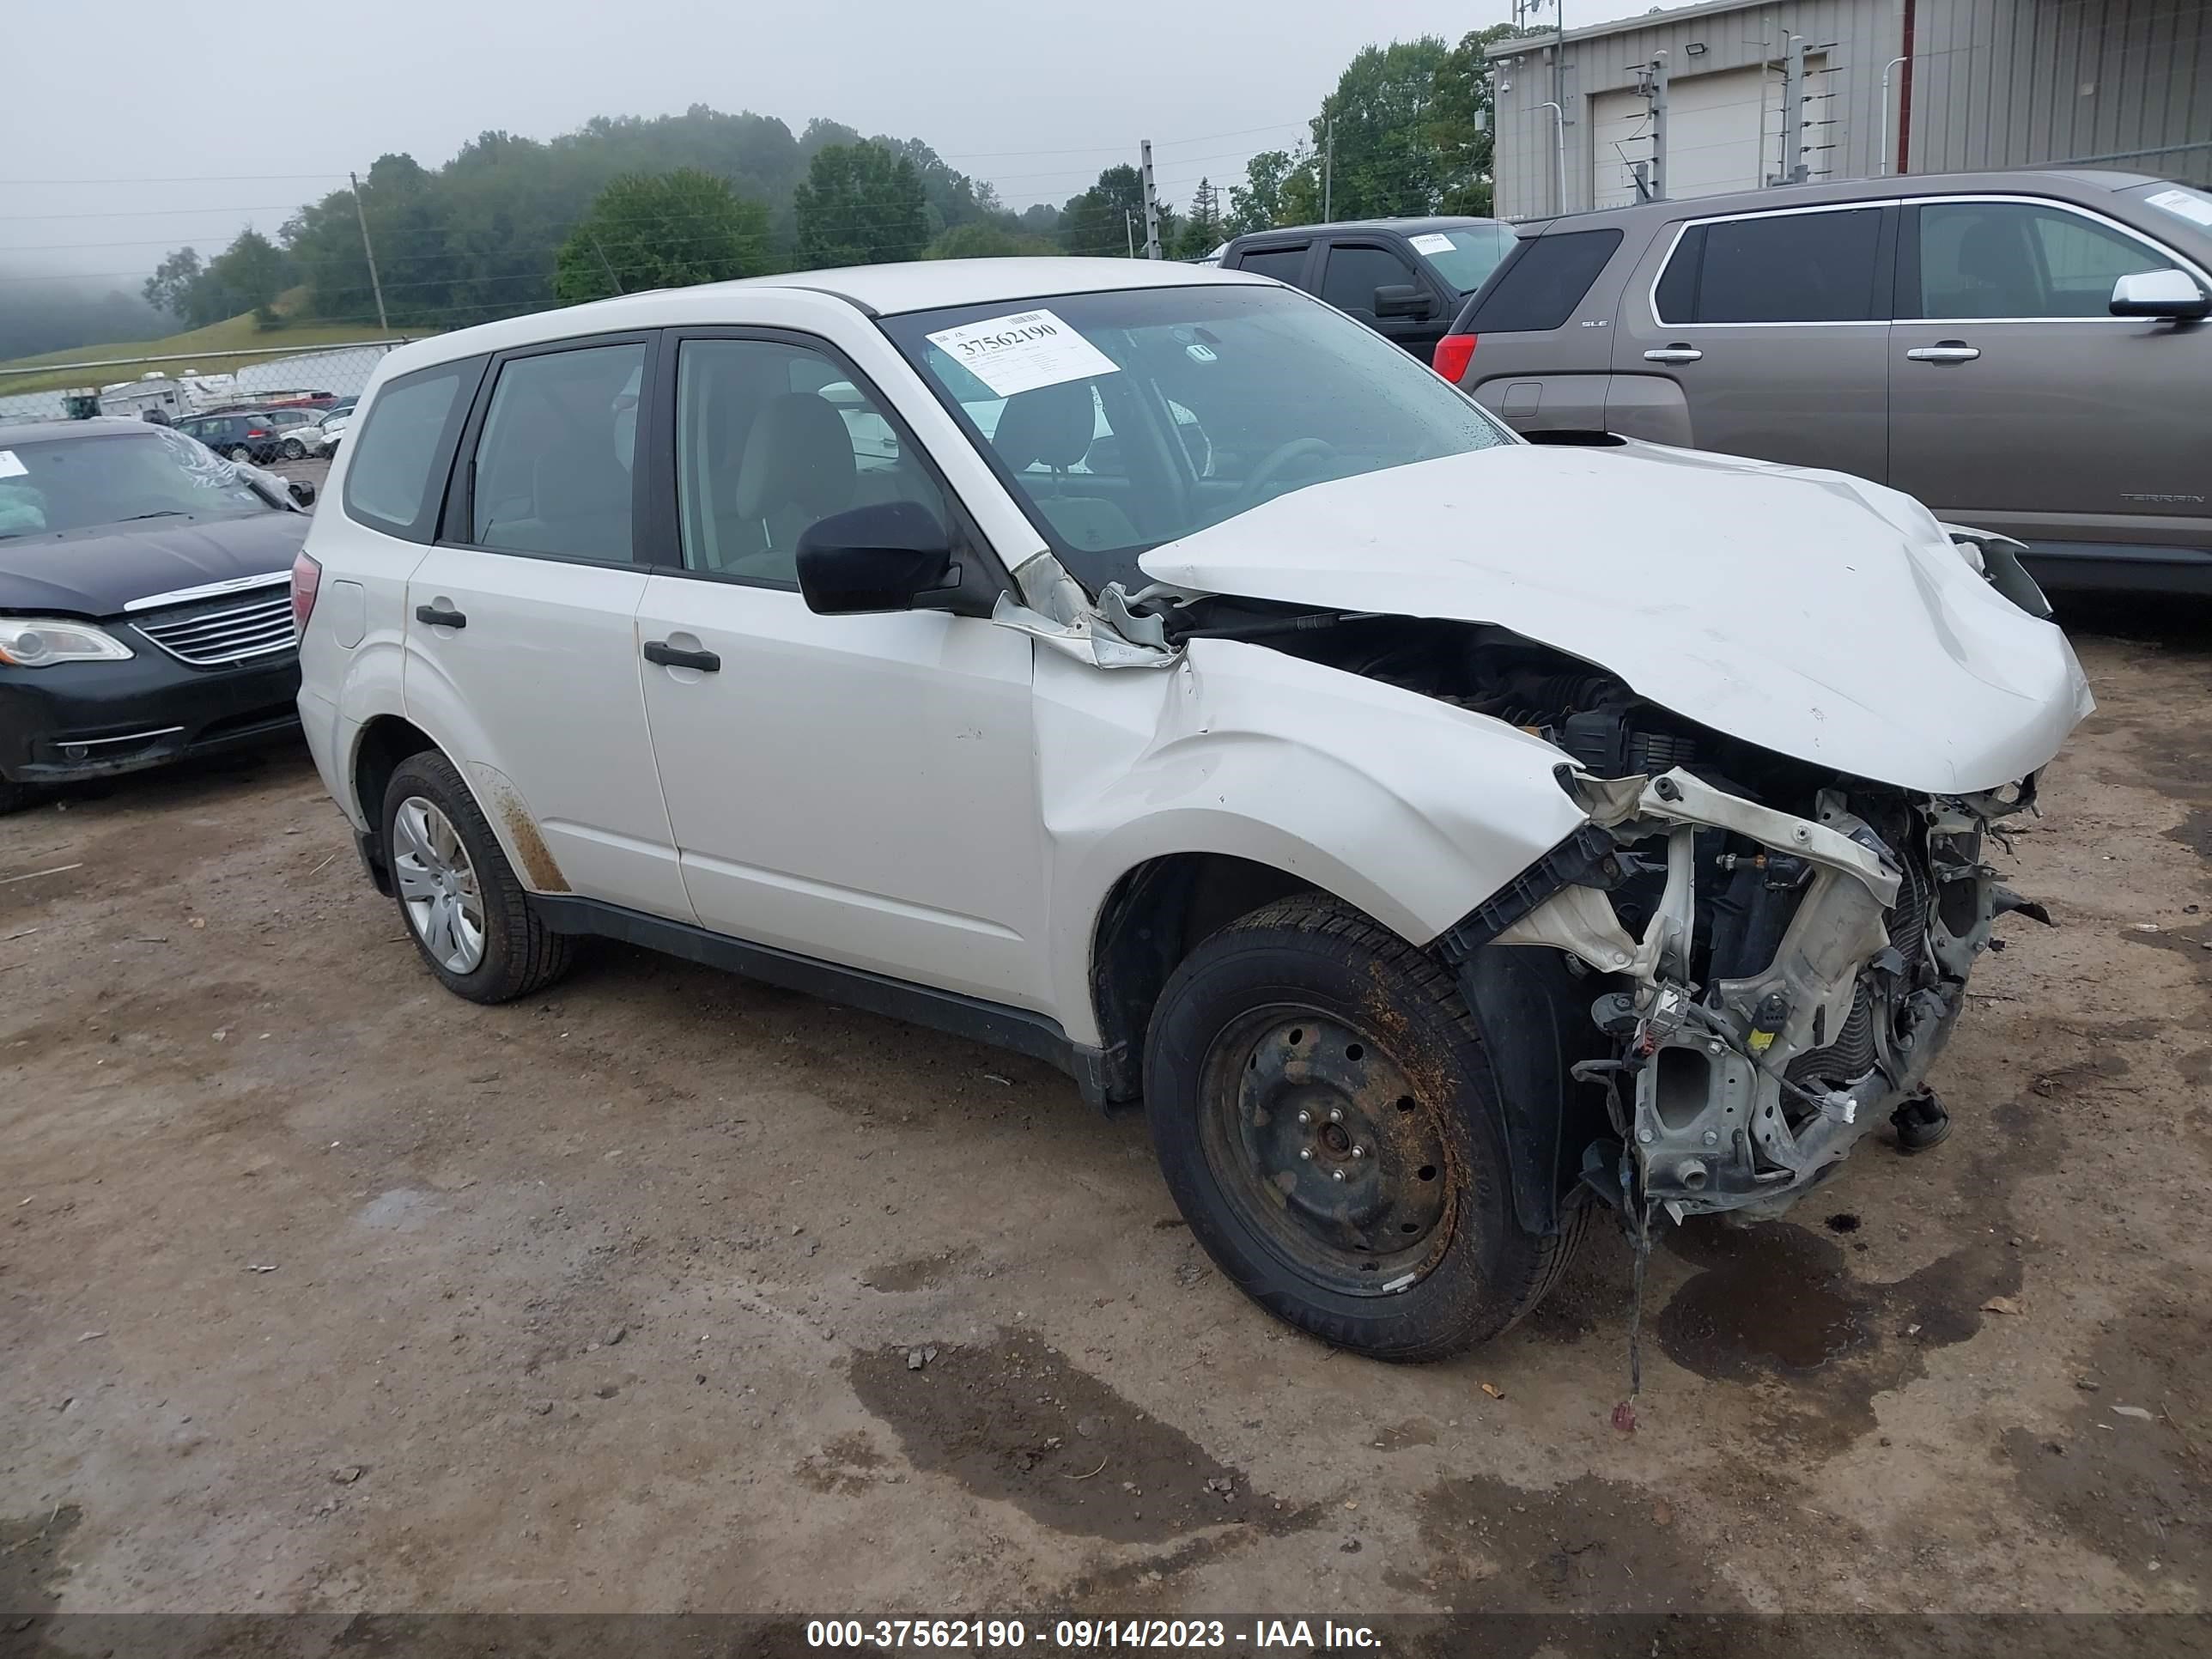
(1465,257)
(1125,419)
(75,483)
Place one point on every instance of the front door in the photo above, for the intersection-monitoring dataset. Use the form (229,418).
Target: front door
(1771,327)
(521,629)
(2018,404)
(857,789)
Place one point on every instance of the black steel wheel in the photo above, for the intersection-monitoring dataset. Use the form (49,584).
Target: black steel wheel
(1328,1119)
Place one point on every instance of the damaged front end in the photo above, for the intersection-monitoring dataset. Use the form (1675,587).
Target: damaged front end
(1774,986)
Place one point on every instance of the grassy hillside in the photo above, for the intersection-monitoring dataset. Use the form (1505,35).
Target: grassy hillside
(239,333)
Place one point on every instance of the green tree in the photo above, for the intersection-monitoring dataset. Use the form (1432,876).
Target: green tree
(860,205)
(1281,187)
(1200,230)
(980,241)
(1385,160)
(247,276)
(666,230)
(1108,220)
(173,281)
(1460,122)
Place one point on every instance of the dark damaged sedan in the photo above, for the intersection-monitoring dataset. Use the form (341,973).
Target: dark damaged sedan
(145,607)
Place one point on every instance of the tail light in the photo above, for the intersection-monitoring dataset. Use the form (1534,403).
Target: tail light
(1453,354)
(306,581)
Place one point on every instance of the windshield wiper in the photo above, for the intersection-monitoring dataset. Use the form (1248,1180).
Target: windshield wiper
(159,513)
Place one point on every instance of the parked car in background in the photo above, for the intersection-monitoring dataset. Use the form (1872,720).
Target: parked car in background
(1404,278)
(334,430)
(1279,768)
(144,610)
(254,436)
(2028,352)
(300,433)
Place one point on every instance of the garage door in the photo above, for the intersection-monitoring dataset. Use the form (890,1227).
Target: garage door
(1721,134)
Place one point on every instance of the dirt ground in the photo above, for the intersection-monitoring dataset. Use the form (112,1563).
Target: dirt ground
(321,1290)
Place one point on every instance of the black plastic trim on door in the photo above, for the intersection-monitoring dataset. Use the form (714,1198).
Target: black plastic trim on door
(670,656)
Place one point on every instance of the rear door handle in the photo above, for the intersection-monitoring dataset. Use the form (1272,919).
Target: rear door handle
(1673,353)
(669,656)
(439,616)
(1945,351)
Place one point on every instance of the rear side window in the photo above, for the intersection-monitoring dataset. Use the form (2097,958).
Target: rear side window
(554,463)
(395,474)
(1779,268)
(1284,264)
(1541,282)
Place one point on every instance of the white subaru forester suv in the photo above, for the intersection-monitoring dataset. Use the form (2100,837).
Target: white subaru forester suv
(1151,669)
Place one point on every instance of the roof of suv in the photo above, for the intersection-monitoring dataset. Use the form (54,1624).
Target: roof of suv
(880,290)
(2072,183)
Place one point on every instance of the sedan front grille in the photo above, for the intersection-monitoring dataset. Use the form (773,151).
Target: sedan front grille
(212,635)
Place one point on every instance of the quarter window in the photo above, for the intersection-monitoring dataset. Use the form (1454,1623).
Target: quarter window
(1776,268)
(1979,259)
(771,438)
(388,481)
(553,465)
(1541,282)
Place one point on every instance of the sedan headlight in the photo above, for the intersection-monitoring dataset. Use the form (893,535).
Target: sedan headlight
(41,641)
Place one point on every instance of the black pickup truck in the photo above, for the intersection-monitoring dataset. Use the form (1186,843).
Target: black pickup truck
(1404,278)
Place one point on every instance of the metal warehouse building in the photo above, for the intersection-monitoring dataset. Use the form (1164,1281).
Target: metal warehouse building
(1869,86)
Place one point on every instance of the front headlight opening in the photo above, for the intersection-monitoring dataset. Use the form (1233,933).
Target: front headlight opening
(42,641)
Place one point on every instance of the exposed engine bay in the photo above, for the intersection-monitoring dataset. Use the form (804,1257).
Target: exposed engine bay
(1774,955)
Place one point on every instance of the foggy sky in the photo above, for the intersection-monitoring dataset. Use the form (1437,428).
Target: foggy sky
(182,101)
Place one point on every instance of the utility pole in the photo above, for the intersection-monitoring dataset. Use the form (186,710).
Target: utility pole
(1129,231)
(1792,169)
(1658,87)
(1151,204)
(375,287)
(1327,170)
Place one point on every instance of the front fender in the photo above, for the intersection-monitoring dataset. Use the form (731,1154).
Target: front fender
(1410,808)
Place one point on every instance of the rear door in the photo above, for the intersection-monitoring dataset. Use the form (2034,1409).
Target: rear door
(522,654)
(1771,328)
(1355,270)
(2018,404)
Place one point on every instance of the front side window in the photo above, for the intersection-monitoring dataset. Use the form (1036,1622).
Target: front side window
(1125,419)
(554,462)
(772,437)
(81,483)
(1983,260)
(388,481)
(1356,270)
(1776,268)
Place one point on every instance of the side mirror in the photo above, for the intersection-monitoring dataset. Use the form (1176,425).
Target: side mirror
(887,556)
(302,493)
(1403,300)
(2159,294)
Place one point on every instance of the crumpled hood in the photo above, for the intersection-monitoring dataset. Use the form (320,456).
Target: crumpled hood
(1812,613)
(97,572)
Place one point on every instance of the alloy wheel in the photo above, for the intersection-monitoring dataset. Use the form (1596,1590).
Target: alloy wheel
(438,885)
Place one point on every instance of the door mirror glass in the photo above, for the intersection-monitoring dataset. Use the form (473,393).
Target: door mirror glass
(1402,300)
(886,555)
(2159,294)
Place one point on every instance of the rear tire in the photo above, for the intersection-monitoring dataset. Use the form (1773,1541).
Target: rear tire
(1326,1119)
(241,454)
(292,450)
(442,854)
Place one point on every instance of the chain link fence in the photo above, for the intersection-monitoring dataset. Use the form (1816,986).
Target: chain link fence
(192,392)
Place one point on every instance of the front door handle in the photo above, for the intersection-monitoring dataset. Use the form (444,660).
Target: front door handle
(1945,351)
(669,656)
(439,616)
(1673,353)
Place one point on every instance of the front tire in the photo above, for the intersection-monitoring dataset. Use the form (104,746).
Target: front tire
(13,796)
(469,918)
(1327,1119)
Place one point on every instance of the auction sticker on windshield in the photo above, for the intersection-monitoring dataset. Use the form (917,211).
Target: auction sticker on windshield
(10,467)
(1022,352)
(1432,242)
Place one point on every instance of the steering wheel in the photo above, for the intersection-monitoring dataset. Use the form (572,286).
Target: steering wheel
(1278,460)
